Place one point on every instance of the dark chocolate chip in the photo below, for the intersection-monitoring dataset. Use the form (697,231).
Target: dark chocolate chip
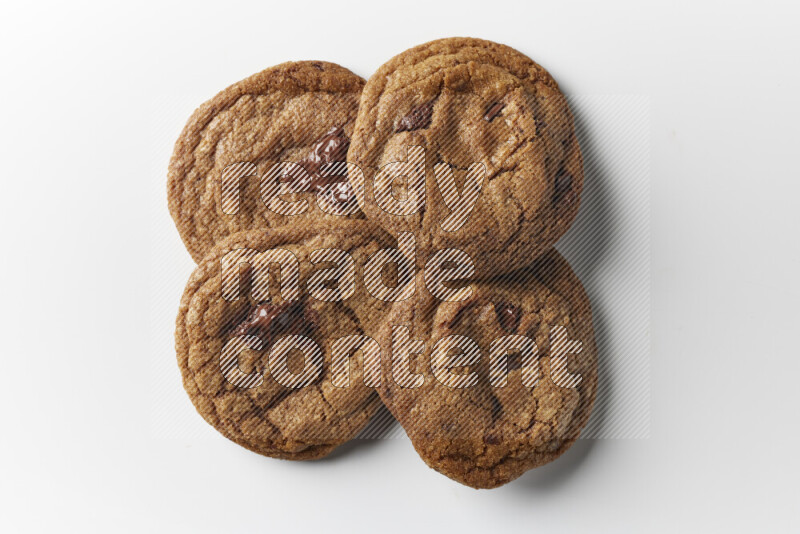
(508,316)
(330,148)
(270,320)
(417,119)
(493,111)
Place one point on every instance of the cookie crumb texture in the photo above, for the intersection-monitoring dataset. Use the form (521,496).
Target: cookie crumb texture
(272,419)
(300,112)
(471,101)
(485,436)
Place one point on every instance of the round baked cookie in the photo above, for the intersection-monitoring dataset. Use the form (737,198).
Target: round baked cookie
(226,173)
(506,378)
(238,310)
(488,113)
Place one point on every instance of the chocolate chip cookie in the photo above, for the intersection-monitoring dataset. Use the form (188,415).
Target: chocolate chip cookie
(264,153)
(468,144)
(258,325)
(498,383)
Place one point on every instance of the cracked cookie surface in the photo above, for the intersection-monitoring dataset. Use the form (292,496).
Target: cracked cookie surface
(468,101)
(463,419)
(246,395)
(222,176)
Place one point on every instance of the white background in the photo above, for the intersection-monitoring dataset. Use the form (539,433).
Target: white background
(91,91)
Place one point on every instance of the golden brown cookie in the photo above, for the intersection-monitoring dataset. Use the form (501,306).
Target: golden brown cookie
(255,349)
(505,379)
(500,166)
(225,174)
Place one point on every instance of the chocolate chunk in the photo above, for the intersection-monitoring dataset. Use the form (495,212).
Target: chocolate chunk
(493,111)
(417,119)
(269,320)
(508,316)
(330,148)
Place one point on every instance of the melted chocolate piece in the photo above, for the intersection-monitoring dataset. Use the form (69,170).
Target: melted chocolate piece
(269,321)
(508,316)
(493,111)
(417,119)
(330,148)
